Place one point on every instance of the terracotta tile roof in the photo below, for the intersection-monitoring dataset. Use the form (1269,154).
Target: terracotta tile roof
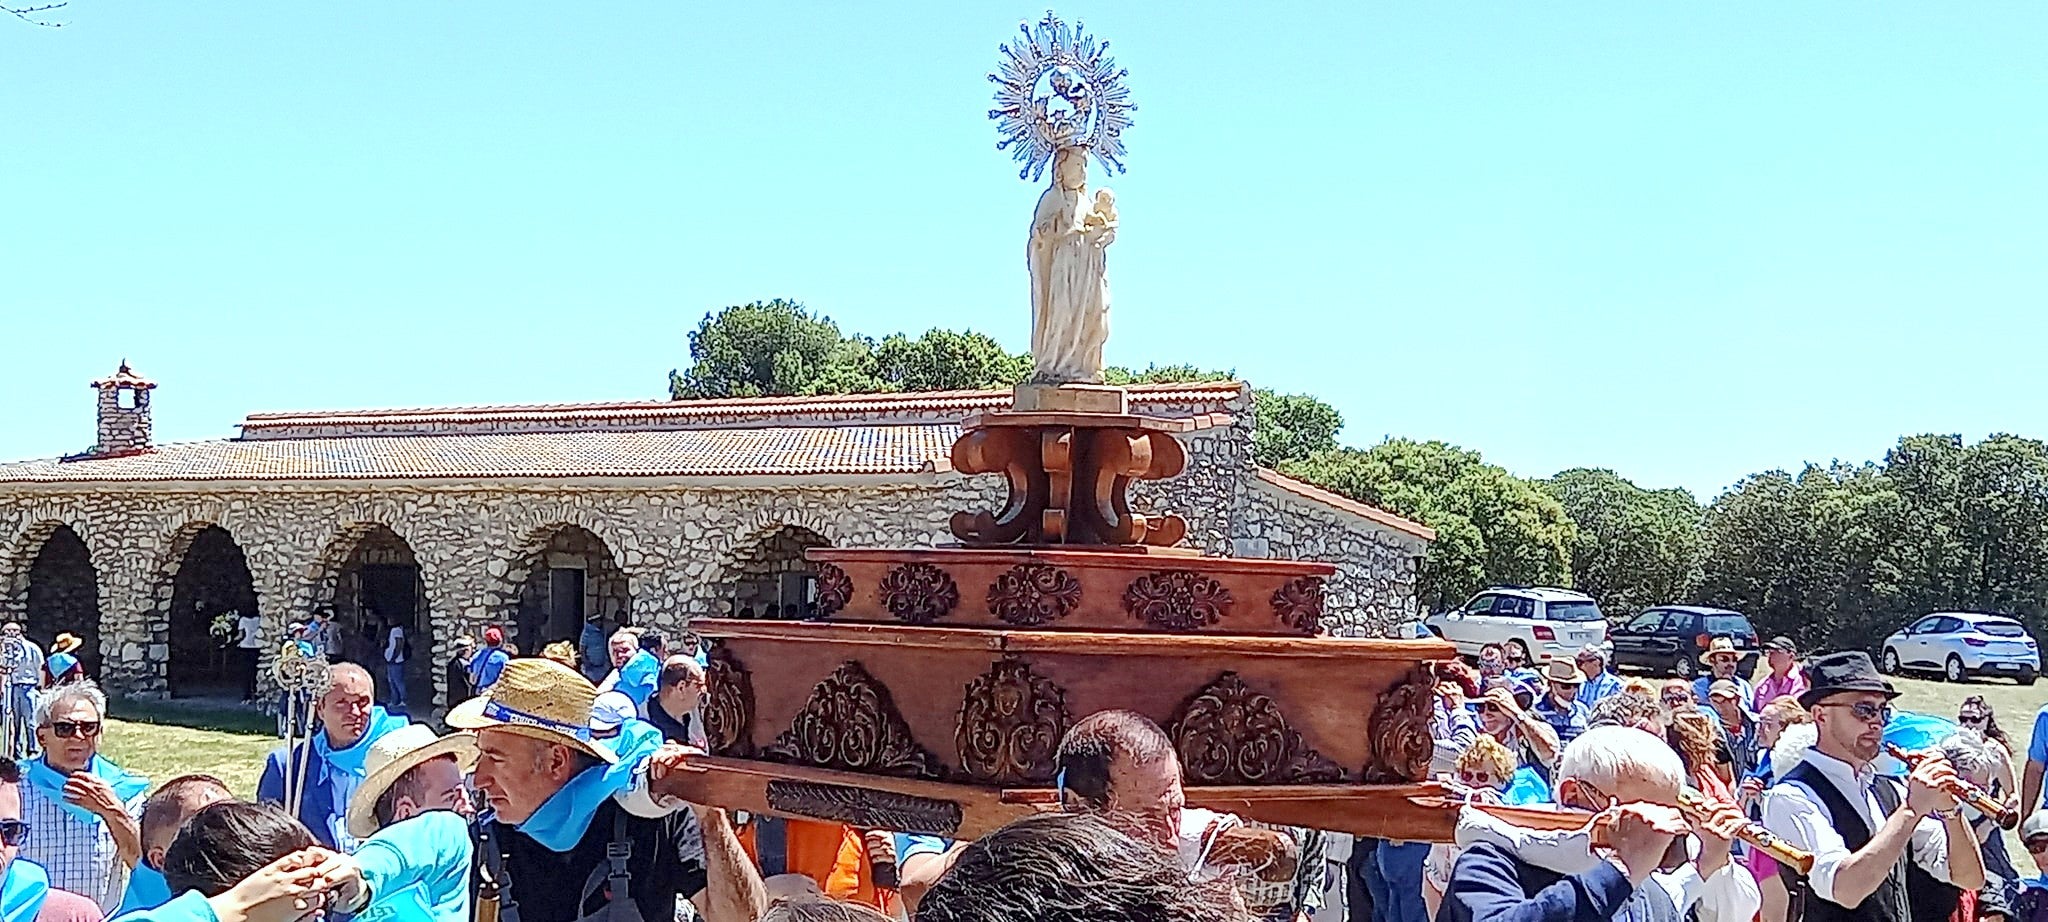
(767,451)
(1310,491)
(924,406)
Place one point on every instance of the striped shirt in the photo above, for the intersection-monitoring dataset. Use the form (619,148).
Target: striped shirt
(79,854)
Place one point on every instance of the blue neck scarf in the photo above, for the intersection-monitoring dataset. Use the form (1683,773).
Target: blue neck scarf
(21,895)
(350,761)
(561,822)
(60,663)
(51,782)
(147,889)
(638,677)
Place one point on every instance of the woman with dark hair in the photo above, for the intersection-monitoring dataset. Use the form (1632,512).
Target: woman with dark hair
(1977,714)
(223,844)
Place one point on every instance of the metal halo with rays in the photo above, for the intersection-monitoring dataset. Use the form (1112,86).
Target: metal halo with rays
(1085,104)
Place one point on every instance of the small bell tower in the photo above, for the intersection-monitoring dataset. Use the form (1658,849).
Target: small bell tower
(123,412)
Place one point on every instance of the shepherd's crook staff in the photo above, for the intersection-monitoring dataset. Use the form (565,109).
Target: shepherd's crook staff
(301,679)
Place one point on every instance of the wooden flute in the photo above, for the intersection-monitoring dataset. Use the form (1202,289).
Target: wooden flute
(2007,815)
(1694,805)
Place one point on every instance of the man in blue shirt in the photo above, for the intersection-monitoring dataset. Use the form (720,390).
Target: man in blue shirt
(349,724)
(1559,707)
(1600,683)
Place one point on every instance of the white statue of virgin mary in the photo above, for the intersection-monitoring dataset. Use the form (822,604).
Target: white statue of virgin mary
(1070,236)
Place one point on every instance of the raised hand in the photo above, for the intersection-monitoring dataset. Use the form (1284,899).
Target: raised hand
(1641,834)
(1927,788)
(289,889)
(92,794)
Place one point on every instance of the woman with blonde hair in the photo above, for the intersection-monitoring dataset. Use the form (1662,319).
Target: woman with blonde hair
(1484,769)
(1693,735)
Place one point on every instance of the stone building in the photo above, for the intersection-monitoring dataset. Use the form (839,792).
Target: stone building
(537,517)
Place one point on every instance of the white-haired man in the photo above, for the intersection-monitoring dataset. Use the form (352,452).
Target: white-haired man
(1600,680)
(1879,848)
(1631,778)
(83,812)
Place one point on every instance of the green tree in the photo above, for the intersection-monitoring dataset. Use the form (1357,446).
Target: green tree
(1635,548)
(1163,374)
(943,360)
(1291,427)
(773,348)
(1492,527)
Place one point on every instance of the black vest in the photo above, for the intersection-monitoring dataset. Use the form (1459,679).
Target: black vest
(1888,902)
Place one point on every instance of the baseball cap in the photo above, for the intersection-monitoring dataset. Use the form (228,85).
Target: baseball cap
(1724,687)
(609,712)
(2036,825)
(1781,642)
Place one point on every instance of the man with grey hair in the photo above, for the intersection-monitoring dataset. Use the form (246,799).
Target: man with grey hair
(1629,779)
(83,812)
(1600,681)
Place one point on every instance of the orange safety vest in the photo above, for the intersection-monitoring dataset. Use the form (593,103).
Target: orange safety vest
(830,854)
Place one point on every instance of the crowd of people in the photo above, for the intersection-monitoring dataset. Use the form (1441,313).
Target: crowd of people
(545,797)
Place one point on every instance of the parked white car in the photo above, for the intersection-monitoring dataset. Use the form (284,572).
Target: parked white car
(1961,644)
(1545,623)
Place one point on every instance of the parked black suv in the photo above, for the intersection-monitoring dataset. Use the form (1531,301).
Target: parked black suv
(1670,639)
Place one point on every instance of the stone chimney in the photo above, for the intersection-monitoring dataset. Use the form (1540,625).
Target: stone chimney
(124,413)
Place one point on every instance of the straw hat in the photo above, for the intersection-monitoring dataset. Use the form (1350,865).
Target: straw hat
(537,698)
(1563,673)
(561,652)
(1722,646)
(394,754)
(65,643)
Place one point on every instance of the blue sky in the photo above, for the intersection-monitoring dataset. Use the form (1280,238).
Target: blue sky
(1687,243)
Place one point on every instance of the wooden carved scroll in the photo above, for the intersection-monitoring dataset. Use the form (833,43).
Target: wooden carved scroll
(864,808)
(1229,734)
(729,704)
(835,589)
(1032,594)
(1299,604)
(1398,733)
(1011,724)
(850,724)
(1069,479)
(1177,600)
(919,593)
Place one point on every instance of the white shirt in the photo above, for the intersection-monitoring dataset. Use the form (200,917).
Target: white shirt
(1795,814)
(394,645)
(79,855)
(1729,895)
(251,632)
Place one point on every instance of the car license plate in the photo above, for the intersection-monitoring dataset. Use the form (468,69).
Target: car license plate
(1579,635)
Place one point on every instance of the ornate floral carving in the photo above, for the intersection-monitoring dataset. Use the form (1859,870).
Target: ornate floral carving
(1398,733)
(850,723)
(919,593)
(835,589)
(1229,734)
(864,808)
(1030,594)
(729,705)
(1299,603)
(1010,725)
(1177,600)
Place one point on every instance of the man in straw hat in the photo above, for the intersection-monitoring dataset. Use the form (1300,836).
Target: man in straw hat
(328,767)
(1722,661)
(573,826)
(1874,840)
(63,666)
(1560,707)
(412,814)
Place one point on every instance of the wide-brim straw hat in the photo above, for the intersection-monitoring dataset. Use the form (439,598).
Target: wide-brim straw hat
(394,754)
(1563,673)
(540,699)
(1722,646)
(65,643)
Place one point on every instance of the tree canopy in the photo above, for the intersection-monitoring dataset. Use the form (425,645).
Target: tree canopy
(1634,548)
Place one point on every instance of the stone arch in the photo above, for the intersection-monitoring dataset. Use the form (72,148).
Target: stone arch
(768,573)
(369,578)
(54,588)
(204,580)
(563,574)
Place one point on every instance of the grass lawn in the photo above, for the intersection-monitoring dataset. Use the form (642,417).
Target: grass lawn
(162,741)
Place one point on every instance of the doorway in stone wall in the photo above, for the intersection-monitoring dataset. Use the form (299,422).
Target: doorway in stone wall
(377,585)
(212,585)
(64,596)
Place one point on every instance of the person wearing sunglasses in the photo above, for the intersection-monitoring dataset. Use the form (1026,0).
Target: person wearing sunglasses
(2026,899)
(83,811)
(1875,841)
(25,892)
(1483,771)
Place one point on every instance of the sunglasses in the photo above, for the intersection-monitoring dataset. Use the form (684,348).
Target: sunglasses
(66,729)
(2036,845)
(1676,699)
(1476,779)
(1866,711)
(1972,718)
(13,832)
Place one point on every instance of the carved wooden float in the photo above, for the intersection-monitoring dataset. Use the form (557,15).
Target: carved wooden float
(934,693)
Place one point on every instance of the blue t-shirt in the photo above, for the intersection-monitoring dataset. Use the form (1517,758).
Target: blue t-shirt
(484,668)
(1568,719)
(418,870)
(1598,687)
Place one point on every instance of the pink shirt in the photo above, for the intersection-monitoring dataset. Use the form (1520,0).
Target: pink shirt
(1772,687)
(64,906)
